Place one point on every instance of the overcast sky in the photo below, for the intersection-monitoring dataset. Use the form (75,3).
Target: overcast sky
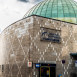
(13,10)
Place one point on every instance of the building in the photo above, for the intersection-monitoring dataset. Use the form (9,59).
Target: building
(43,43)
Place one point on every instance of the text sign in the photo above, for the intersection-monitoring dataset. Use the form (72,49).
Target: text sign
(37,65)
(29,64)
(50,35)
(76,63)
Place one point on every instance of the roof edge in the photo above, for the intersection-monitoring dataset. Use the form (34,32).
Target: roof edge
(37,16)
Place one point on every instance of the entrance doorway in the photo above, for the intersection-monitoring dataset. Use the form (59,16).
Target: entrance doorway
(73,72)
(48,70)
(45,71)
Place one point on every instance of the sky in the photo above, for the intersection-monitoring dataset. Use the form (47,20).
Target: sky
(13,10)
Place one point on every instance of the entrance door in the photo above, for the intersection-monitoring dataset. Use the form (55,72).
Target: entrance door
(44,71)
(48,70)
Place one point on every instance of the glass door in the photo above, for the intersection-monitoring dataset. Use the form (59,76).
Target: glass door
(44,71)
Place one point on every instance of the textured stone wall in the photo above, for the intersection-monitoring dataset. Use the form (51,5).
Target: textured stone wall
(21,43)
(48,51)
(15,47)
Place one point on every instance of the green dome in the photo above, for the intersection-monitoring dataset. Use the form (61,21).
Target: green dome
(65,10)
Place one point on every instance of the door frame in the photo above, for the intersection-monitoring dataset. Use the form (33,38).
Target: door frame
(45,66)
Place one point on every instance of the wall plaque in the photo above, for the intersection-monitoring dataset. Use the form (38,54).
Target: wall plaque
(29,64)
(52,35)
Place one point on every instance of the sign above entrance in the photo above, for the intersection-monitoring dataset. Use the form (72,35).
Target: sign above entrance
(38,65)
(51,35)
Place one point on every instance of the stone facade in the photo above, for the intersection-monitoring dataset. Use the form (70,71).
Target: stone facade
(20,43)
